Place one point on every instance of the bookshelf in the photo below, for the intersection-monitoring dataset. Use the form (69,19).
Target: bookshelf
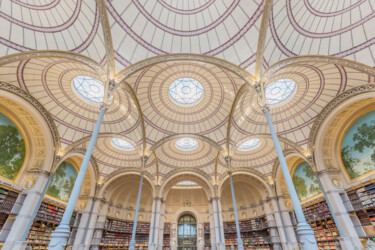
(47,219)
(207,235)
(320,219)
(7,200)
(254,233)
(363,201)
(167,236)
(117,234)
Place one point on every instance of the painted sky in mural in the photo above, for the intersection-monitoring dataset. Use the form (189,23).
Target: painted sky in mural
(305,181)
(358,146)
(12,148)
(62,182)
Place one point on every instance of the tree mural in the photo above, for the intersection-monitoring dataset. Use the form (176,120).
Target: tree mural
(358,147)
(305,181)
(62,183)
(12,148)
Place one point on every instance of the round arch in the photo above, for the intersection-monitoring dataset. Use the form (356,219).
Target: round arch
(36,126)
(330,128)
(186,175)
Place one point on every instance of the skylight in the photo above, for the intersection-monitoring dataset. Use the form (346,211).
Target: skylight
(186,144)
(186,92)
(280,91)
(249,145)
(122,144)
(88,89)
(187,183)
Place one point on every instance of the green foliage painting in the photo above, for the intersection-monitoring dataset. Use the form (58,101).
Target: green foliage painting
(62,182)
(358,146)
(305,181)
(12,148)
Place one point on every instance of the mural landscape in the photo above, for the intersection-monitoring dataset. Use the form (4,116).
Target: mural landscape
(62,182)
(358,146)
(12,148)
(305,181)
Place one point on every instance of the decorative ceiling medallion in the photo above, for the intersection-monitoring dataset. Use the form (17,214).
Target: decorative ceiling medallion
(280,92)
(122,144)
(186,92)
(88,89)
(186,144)
(249,145)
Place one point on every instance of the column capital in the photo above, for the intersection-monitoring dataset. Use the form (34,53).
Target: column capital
(104,106)
(265,108)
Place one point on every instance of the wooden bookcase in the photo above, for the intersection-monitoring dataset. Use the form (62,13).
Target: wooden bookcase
(167,236)
(320,219)
(7,200)
(254,233)
(363,201)
(47,219)
(117,234)
(207,235)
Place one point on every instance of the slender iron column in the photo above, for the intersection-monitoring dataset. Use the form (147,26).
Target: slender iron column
(61,234)
(132,241)
(239,239)
(304,231)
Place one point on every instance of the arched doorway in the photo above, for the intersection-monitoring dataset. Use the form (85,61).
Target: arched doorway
(187,233)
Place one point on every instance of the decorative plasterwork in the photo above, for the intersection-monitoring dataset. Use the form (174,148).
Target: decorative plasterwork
(247,77)
(331,106)
(156,145)
(310,58)
(54,132)
(56,54)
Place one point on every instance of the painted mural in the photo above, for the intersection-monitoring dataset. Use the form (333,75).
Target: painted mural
(62,182)
(12,148)
(305,181)
(358,146)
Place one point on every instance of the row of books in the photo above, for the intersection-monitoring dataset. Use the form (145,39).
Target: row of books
(317,211)
(246,226)
(126,226)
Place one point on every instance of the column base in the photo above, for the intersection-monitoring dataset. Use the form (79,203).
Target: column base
(132,245)
(306,237)
(220,246)
(346,243)
(15,245)
(239,244)
(59,238)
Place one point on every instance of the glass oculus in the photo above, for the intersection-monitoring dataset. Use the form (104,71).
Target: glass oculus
(186,92)
(279,92)
(249,145)
(186,144)
(122,144)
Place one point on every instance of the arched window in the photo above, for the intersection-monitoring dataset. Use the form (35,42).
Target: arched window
(12,148)
(62,182)
(305,181)
(187,232)
(358,146)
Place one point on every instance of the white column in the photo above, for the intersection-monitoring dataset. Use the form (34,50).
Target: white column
(81,229)
(161,225)
(212,225)
(61,234)
(200,236)
(304,230)
(219,228)
(288,227)
(99,226)
(276,231)
(16,239)
(87,240)
(174,236)
(239,239)
(154,225)
(348,236)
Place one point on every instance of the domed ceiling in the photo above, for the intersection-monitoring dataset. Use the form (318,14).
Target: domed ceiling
(186,111)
